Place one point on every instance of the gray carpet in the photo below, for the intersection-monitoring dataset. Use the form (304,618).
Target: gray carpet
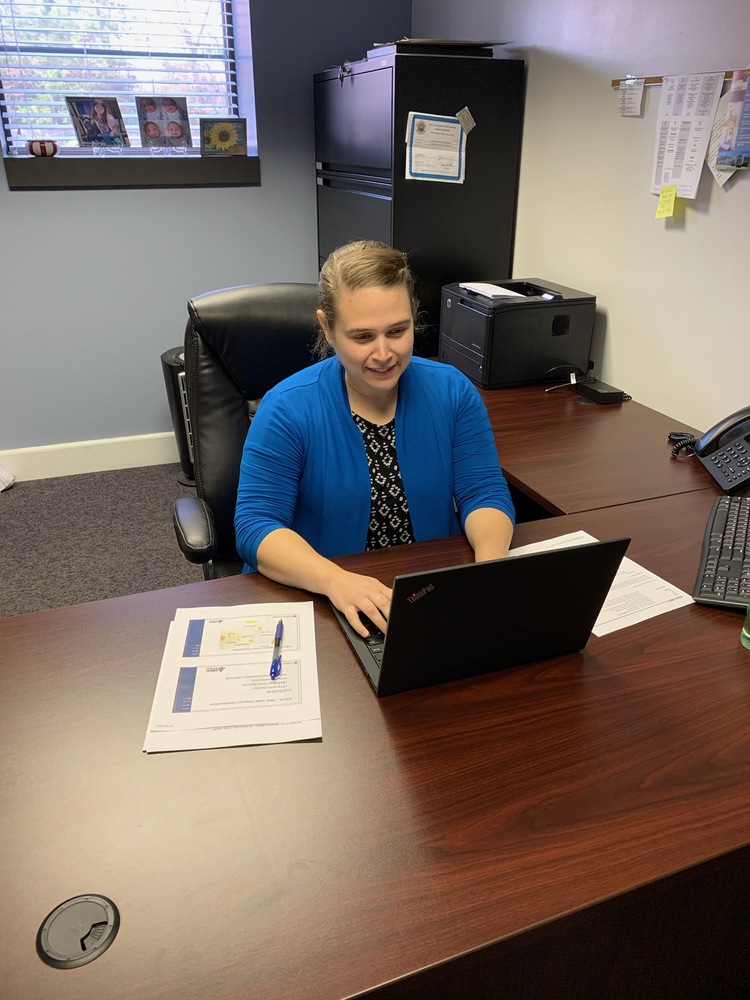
(84,538)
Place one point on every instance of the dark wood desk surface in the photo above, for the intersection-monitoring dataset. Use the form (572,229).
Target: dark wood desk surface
(500,825)
(570,454)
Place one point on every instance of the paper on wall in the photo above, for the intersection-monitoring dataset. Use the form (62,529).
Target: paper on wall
(686,115)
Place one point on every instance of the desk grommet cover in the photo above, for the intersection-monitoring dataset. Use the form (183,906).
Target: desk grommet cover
(77,931)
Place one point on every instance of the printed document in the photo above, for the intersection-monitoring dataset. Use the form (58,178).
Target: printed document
(720,133)
(734,145)
(631,97)
(435,148)
(686,115)
(215,687)
(635,595)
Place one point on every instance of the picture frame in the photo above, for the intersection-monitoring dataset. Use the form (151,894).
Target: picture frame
(163,120)
(223,136)
(97,121)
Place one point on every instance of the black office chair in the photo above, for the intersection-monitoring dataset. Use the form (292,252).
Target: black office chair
(239,342)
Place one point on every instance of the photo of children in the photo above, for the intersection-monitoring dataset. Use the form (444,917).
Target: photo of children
(152,134)
(175,131)
(163,121)
(97,121)
(147,109)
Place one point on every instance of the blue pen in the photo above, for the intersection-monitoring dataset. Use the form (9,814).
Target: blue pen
(276,661)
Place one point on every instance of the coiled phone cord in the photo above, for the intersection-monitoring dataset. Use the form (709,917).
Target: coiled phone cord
(683,442)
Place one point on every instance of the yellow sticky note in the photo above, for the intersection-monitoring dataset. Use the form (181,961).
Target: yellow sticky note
(667,195)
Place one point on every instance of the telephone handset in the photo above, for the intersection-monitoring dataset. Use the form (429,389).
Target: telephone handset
(725,451)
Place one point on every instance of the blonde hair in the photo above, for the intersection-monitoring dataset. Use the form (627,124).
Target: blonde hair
(360,264)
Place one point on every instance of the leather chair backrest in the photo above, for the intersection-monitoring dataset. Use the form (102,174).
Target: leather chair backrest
(239,342)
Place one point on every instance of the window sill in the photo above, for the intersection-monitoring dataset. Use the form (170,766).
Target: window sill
(67,173)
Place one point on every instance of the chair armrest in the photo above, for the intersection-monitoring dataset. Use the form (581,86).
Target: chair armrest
(195,530)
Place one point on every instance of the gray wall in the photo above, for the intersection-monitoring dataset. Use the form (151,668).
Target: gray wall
(93,284)
(673,315)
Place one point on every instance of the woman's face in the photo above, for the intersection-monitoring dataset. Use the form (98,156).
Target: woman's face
(373,337)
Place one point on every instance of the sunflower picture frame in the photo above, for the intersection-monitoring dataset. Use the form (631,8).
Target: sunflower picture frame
(223,136)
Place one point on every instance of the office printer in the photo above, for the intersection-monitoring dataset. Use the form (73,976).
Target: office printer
(503,333)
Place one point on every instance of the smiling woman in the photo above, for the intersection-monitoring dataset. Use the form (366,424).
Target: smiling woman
(373,339)
(367,316)
(369,448)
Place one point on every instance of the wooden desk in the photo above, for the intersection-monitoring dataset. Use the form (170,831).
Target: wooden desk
(574,828)
(569,454)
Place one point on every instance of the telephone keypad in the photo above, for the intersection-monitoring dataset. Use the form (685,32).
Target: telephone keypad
(730,466)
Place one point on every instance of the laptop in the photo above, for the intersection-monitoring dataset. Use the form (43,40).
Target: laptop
(460,621)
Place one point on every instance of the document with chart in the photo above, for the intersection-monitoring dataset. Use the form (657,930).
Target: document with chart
(236,676)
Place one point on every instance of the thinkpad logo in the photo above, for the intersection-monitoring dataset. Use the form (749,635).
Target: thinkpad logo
(413,598)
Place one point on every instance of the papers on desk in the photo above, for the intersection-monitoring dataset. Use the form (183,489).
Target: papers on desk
(215,688)
(635,595)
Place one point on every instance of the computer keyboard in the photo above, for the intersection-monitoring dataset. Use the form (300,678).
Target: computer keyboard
(375,640)
(723,579)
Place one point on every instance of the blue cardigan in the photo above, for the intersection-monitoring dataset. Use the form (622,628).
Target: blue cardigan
(304,465)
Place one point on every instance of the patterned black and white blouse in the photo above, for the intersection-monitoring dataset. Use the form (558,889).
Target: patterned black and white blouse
(390,521)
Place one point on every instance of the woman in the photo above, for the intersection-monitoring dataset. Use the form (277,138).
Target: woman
(105,122)
(368,448)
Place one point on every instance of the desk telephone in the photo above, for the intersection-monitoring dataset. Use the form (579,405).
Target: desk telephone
(724,450)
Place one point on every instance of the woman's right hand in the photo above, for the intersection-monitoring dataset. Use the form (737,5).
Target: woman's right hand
(352,593)
(285,556)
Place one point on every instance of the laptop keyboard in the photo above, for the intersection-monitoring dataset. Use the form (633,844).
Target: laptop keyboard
(375,640)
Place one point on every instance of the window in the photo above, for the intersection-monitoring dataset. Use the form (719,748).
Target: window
(122,49)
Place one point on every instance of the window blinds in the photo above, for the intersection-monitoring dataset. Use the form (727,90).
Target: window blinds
(121,49)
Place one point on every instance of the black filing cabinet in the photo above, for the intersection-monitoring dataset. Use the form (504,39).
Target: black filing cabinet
(452,232)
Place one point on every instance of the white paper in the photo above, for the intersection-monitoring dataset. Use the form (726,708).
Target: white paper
(631,97)
(215,689)
(718,135)
(489,290)
(6,478)
(635,595)
(686,115)
(467,119)
(435,148)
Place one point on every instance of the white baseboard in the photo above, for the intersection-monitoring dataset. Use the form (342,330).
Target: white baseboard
(49,461)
